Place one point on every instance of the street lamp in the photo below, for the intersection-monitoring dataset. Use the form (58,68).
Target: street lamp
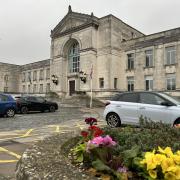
(54,79)
(82,76)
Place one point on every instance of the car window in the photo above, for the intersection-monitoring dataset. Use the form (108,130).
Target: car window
(40,99)
(116,97)
(31,98)
(131,97)
(3,98)
(149,98)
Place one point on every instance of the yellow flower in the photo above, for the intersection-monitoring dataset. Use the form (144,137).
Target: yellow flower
(158,158)
(170,176)
(149,158)
(177,172)
(166,151)
(166,163)
(153,173)
(178,153)
(176,159)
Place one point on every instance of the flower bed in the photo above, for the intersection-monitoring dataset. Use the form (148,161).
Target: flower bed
(151,151)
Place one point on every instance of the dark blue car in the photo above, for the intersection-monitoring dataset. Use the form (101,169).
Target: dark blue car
(7,105)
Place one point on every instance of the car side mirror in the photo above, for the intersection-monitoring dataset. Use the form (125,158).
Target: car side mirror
(165,103)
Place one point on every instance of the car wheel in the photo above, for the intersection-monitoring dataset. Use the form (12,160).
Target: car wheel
(10,112)
(177,123)
(52,109)
(113,120)
(24,110)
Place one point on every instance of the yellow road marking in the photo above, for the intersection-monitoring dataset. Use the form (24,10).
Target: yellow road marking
(79,126)
(10,153)
(27,133)
(57,129)
(7,161)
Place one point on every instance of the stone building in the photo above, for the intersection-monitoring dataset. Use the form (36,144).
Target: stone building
(105,54)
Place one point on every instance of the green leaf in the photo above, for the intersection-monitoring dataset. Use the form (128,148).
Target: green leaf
(100,166)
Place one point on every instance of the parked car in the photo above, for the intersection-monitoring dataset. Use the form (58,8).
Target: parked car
(33,103)
(7,105)
(127,108)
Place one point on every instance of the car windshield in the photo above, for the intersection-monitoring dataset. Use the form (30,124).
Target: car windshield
(175,100)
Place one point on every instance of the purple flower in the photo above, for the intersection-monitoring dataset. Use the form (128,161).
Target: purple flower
(122,169)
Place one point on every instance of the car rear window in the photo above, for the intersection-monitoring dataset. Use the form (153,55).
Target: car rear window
(131,97)
(3,98)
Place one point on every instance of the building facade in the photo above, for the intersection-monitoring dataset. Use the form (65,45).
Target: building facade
(104,54)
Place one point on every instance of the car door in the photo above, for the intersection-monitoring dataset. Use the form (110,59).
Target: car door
(32,103)
(128,108)
(4,104)
(151,108)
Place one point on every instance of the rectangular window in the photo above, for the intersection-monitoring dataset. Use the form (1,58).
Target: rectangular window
(170,55)
(130,82)
(115,83)
(76,64)
(23,88)
(34,88)
(5,89)
(29,77)
(149,83)
(149,58)
(41,75)
(48,73)
(101,82)
(23,77)
(41,88)
(34,75)
(48,87)
(171,82)
(29,88)
(130,61)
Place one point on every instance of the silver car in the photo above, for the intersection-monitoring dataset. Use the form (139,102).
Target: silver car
(127,108)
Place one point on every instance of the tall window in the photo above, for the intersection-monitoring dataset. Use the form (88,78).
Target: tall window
(23,88)
(101,82)
(34,88)
(34,75)
(149,83)
(130,64)
(149,58)
(29,88)
(48,73)
(130,82)
(74,58)
(41,88)
(171,82)
(41,75)
(115,83)
(6,78)
(29,77)
(170,55)
(23,77)
(47,87)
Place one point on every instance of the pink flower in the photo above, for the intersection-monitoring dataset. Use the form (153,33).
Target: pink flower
(107,141)
(98,140)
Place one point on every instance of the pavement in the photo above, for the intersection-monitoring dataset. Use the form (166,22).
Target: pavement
(14,142)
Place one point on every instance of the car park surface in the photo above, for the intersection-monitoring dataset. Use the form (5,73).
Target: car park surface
(127,108)
(7,105)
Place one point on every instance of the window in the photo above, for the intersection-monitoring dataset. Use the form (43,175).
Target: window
(130,82)
(41,75)
(149,58)
(3,98)
(6,78)
(29,88)
(34,88)
(5,89)
(48,87)
(74,58)
(130,97)
(149,83)
(48,73)
(101,82)
(171,82)
(115,83)
(29,77)
(148,98)
(23,77)
(23,88)
(170,55)
(41,88)
(34,75)
(130,61)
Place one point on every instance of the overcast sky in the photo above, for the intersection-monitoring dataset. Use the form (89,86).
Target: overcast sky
(25,25)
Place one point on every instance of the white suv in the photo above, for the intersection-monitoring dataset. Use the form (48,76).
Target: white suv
(127,108)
